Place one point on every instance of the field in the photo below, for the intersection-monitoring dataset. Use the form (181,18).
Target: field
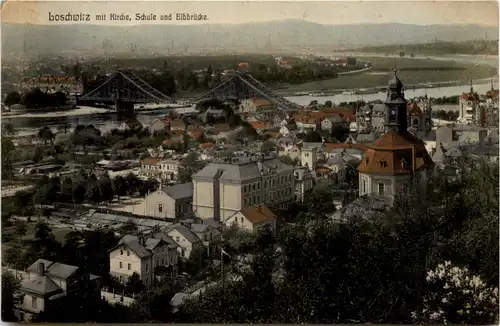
(410,71)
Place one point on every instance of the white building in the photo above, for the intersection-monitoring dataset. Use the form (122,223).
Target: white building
(253,218)
(141,255)
(222,189)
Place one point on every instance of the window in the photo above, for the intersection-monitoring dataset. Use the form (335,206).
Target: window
(160,208)
(381,189)
(121,252)
(210,236)
(146,266)
(306,154)
(128,253)
(242,220)
(183,252)
(157,262)
(364,186)
(253,186)
(205,237)
(33,303)
(163,261)
(258,186)
(129,266)
(177,239)
(121,265)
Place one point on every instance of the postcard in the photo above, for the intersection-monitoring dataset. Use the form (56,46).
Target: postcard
(326,162)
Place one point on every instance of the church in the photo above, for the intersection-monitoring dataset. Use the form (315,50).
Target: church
(397,156)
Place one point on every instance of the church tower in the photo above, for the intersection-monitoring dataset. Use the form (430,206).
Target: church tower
(396,106)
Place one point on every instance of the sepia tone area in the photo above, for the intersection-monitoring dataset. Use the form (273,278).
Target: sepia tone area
(250,162)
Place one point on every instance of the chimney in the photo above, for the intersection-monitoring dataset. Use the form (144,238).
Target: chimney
(41,269)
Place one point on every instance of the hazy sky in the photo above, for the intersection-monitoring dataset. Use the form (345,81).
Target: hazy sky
(328,12)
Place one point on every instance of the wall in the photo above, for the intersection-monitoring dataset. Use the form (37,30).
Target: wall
(203,199)
(153,201)
(115,258)
(183,243)
(27,303)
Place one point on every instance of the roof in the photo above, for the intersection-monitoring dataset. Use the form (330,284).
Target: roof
(365,138)
(53,269)
(257,214)
(150,161)
(222,127)
(246,169)
(186,233)
(41,285)
(132,242)
(207,145)
(179,191)
(329,147)
(177,124)
(261,102)
(414,109)
(258,125)
(396,153)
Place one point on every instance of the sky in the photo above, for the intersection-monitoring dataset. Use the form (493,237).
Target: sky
(231,12)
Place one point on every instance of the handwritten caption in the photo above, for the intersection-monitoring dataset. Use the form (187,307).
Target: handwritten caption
(86,17)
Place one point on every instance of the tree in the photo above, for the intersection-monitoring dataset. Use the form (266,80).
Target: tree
(190,165)
(153,306)
(134,284)
(8,129)
(128,227)
(288,160)
(313,137)
(45,134)
(10,295)
(267,147)
(12,98)
(329,104)
(456,296)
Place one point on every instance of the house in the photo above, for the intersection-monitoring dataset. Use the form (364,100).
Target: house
(185,239)
(160,125)
(222,127)
(49,282)
(169,169)
(141,255)
(209,236)
(329,123)
(130,125)
(195,133)
(288,130)
(171,202)
(222,189)
(150,167)
(259,126)
(454,135)
(258,106)
(253,218)
(206,146)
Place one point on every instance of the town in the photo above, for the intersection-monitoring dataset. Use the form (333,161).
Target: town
(225,191)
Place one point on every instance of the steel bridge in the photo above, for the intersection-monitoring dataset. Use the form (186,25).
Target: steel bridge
(243,86)
(124,88)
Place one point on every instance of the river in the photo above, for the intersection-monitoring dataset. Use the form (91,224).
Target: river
(31,122)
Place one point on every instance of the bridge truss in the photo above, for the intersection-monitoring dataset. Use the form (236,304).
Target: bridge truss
(243,86)
(126,87)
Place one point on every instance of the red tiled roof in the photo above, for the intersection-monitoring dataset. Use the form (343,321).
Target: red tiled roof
(258,125)
(396,153)
(207,145)
(257,214)
(150,161)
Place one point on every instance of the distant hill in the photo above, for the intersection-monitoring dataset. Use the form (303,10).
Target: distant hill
(436,48)
(288,34)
